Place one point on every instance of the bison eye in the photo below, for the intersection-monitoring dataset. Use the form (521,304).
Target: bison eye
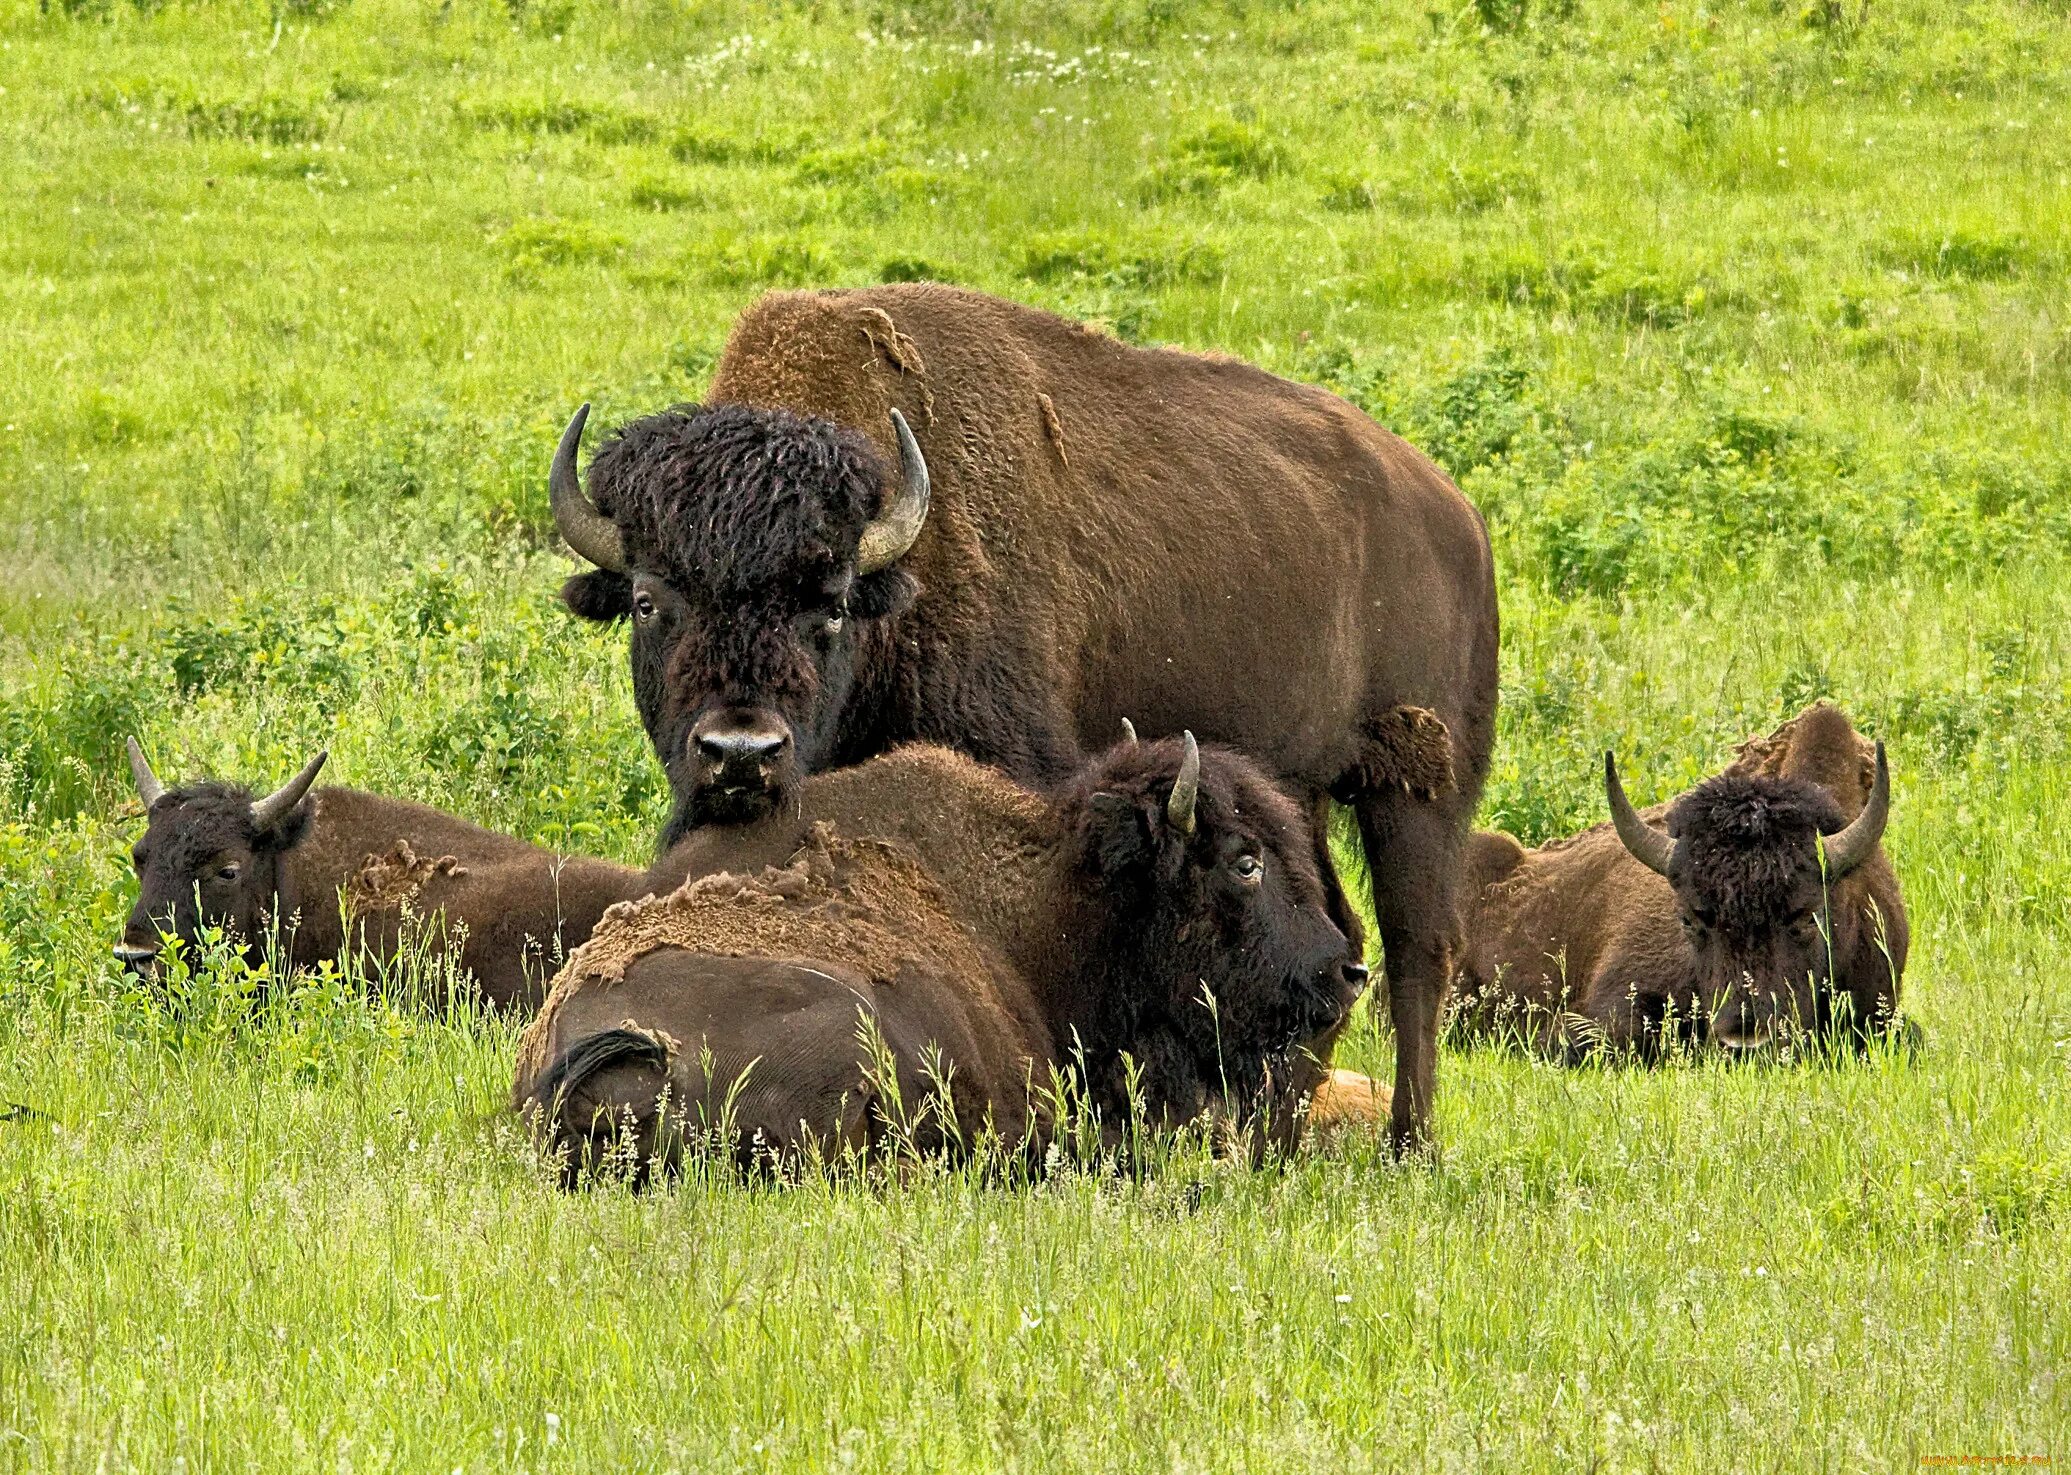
(1249,869)
(643,605)
(230,872)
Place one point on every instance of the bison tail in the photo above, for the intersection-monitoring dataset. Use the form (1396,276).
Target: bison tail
(598,1105)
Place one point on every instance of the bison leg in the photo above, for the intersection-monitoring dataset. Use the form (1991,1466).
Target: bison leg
(1413,851)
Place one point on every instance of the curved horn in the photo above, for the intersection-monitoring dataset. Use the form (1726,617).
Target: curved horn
(270,811)
(149,789)
(588,531)
(1649,846)
(1128,732)
(1179,809)
(886,539)
(1849,848)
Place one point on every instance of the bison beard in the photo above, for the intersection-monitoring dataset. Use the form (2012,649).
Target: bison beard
(1121,933)
(1114,531)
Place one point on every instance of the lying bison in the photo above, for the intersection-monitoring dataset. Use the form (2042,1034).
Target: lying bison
(1154,936)
(330,871)
(1765,909)
(1077,530)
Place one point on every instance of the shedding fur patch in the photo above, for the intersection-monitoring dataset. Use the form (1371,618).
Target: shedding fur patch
(901,352)
(868,904)
(1409,748)
(885,337)
(669,1045)
(388,883)
(1055,427)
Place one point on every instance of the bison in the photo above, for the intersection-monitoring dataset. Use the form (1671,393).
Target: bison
(332,870)
(1153,936)
(1763,910)
(1077,529)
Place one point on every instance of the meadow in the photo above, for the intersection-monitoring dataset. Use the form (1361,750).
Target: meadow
(1746,326)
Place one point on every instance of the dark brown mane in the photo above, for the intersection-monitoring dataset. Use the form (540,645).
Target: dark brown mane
(737,499)
(1741,841)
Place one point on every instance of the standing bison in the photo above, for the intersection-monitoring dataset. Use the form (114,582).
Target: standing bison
(1077,531)
(1764,910)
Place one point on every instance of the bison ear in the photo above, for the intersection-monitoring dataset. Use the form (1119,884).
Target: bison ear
(887,592)
(287,832)
(1118,836)
(599,595)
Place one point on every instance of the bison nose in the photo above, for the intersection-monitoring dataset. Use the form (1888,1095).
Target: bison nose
(1356,974)
(739,743)
(139,960)
(1737,1028)
(739,749)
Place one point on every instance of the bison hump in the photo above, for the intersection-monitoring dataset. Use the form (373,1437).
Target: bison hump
(866,903)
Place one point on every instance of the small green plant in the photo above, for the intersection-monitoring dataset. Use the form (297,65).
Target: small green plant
(767,261)
(913,269)
(1211,159)
(652,192)
(531,247)
(1958,255)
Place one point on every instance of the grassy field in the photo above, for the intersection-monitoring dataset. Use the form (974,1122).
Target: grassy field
(1745,324)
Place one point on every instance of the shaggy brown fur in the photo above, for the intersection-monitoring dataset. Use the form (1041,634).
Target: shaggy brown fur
(1580,946)
(1075,935)
(350,872)
(1115,531)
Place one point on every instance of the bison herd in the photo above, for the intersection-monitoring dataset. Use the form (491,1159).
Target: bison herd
(901,596)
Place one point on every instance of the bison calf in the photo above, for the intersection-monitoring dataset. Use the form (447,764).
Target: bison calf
(332,869)
(1757,907)
(1154,932)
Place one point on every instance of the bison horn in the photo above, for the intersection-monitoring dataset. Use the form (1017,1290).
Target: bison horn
(270,811)
(1849,848)
(588,531)
(886,539)
(1649,846)
(1179,809)
(149,789)
(1128,732)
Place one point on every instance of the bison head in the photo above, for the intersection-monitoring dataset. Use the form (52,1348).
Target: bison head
(1755,863)
(1215,958)
(209,857)
(750,552)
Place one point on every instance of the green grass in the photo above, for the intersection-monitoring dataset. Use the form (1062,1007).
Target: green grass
(1743,324)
